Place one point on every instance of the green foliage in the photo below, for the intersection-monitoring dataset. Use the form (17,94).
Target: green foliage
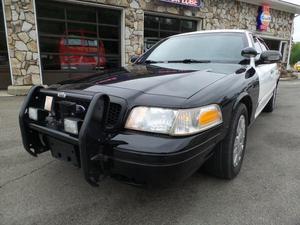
(295,54)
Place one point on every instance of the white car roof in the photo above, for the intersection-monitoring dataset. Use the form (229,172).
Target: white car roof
(214,31)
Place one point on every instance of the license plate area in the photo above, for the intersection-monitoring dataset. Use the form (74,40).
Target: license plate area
(64,151)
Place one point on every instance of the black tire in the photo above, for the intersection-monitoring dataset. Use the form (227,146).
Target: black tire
(272,102)
(221,163)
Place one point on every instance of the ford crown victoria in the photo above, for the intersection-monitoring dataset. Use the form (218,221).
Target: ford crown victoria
(184,104)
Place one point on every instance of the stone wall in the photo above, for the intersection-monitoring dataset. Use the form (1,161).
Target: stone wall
(239,15)
(22,41)
(216,14)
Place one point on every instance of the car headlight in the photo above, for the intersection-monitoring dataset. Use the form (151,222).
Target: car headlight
(174,122)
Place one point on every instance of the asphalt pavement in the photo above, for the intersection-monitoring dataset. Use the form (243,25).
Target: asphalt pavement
(267,191)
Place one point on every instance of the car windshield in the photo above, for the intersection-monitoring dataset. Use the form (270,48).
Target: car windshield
(199,48)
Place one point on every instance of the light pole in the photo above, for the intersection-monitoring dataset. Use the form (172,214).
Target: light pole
(290,47)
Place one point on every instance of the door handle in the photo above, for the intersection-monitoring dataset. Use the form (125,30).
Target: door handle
(273,73)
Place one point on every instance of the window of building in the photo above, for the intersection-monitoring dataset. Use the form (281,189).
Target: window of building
(158,27)
(4,64)
(76,38)
(3,47)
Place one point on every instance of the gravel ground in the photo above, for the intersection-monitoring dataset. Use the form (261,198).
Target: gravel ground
(267,191)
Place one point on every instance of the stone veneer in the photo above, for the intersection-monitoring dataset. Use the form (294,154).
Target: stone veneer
(216,14)
(22,41)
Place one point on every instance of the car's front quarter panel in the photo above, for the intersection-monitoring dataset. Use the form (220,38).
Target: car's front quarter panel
(228,92)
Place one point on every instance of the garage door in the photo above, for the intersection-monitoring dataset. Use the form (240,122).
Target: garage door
(77,40)
(5,79)
(159,27)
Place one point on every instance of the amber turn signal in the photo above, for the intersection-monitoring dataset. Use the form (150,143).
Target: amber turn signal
(209,117)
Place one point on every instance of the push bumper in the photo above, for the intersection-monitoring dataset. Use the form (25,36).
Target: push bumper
(134,157)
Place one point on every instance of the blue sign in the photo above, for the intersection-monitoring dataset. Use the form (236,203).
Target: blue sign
(263,18)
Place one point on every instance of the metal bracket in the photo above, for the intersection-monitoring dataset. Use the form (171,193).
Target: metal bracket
(92,138)
(26,136)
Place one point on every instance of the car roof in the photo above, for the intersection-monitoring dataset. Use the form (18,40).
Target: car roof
(213,31)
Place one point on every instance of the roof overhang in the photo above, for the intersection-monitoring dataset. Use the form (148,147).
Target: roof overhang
(276,4)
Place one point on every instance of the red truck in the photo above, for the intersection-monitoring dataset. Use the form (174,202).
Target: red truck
(79,52)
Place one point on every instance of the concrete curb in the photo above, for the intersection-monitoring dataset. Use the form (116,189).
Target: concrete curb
(18,90)
(5,94)
(288,78)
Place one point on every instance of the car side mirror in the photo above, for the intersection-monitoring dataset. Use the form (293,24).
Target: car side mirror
(270,56)
(249,52)
(133,58)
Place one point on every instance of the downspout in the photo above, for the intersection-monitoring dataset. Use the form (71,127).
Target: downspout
(290,47)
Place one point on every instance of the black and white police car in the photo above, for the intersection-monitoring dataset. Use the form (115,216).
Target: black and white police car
(185,103)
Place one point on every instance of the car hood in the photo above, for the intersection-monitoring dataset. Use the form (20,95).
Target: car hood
(175,80)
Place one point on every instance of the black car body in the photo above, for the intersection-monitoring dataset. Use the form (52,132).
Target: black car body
(100,107)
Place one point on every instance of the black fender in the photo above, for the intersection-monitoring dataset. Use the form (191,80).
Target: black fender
(248,100)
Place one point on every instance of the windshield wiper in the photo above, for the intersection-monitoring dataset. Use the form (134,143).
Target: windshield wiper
(152,62)
(189,61)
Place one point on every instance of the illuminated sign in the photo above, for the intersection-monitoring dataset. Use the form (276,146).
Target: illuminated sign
(191,3)
(263,18)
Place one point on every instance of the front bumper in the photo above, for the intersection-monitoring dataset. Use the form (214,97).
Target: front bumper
(132,156)
(138,158)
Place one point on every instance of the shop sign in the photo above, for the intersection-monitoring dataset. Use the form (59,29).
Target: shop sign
(263,18)
(191,3)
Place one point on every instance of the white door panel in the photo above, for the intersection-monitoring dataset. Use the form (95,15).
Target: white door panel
(268,75)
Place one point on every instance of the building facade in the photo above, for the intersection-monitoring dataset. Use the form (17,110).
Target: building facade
(45,41)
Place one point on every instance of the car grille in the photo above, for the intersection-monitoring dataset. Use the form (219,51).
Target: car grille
(113,114)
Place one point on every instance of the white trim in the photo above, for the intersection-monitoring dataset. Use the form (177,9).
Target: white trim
(194,18)
(8,50)
(290,44)
(96,4)
(281,45)
(123,47)
(38,42)
(270,37)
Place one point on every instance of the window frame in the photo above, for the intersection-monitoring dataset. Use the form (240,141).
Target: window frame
(197,26)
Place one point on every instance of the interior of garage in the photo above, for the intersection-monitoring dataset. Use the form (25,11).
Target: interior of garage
(5,79)
(77,40)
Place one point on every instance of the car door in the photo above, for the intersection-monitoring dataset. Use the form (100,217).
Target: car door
(268,76)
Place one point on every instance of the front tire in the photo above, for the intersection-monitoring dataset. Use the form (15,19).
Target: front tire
(226,162)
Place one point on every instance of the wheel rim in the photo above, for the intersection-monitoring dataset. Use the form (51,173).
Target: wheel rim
(239,142)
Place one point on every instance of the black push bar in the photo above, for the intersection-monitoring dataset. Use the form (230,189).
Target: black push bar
(92,138)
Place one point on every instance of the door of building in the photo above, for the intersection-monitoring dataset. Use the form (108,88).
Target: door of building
(5,79)
(77,40)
